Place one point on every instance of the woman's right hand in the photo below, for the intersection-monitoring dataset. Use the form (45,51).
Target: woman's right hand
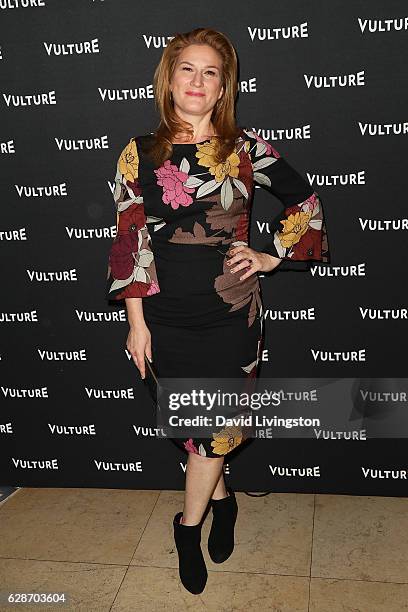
(138,344)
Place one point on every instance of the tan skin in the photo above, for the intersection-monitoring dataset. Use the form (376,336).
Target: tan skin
(198,69)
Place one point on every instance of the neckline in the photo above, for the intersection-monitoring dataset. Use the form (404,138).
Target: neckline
(190,143)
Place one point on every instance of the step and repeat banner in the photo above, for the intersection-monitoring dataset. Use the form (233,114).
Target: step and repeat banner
(326,83)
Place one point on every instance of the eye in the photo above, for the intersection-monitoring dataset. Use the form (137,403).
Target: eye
(211,72)
(186,68)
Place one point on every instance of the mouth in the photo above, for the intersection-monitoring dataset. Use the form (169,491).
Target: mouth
(194,93)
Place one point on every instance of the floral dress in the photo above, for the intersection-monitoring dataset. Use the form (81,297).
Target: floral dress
(175,225)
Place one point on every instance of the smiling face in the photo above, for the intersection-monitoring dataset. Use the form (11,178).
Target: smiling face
(196,83)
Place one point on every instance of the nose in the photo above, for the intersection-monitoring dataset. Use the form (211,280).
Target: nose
(197,79)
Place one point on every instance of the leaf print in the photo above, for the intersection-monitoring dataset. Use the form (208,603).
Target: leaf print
(208,187)
(316,224)
(140,274)
(217,218)
(201,451)
(119,283)
(184,165)
(262,146)
(259,165)
(199,236)
(260,149)
(145,258)
(255,306)
(125,205)
(240,185)
(193,181)
(157,227)
(262,179)
(263,163)
(152,219)
(227,195)
(238,293)
(249,367)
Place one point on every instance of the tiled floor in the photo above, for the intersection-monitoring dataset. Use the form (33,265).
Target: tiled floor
(112,549)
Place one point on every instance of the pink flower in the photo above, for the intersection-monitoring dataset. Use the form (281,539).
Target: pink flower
(172,180)
(189,446)
(269,147)
(310,204)
(153,288)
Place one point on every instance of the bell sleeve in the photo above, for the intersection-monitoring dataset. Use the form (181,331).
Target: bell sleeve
(298,233)
(131,267)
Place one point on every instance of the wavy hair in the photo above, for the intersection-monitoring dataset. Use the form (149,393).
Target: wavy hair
(223,115)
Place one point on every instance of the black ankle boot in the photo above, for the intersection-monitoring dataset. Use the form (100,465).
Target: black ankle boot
(221,537)
(192,568)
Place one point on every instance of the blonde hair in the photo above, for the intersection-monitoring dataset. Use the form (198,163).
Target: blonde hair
(223,115)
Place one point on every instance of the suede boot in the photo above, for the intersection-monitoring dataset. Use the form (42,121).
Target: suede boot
(221,536)
(192,568)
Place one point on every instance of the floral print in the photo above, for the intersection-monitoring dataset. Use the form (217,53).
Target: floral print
(174,227)
(175,191)
(222,443)
(303,235)
(131,267)
(263,146)
(298,234)
(226,440)
(206,158)
(233,294)
(128,162)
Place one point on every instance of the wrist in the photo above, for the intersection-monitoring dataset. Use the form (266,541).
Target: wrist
(136,323)
(271,262)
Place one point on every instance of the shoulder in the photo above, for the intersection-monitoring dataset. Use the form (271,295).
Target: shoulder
(261,147)
(143,142)
(139,142)
(130,152)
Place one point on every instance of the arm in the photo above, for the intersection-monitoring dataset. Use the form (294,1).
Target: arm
(298,233)
(131,269)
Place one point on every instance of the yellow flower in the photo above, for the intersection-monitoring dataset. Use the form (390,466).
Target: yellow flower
(293,228)
(129,161)
(206,158)
(226,439)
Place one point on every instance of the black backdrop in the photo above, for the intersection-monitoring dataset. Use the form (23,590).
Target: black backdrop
(106,94)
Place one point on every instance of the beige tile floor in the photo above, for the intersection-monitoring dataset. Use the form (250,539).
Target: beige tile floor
(111,549)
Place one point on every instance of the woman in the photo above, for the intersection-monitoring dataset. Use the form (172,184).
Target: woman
(182,263)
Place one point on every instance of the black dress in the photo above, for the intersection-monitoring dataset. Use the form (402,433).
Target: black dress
(175,225)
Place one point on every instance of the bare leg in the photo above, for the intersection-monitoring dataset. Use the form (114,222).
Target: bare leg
(220,491)
(202,476)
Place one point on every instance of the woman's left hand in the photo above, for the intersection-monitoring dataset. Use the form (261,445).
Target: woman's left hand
(253,261)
